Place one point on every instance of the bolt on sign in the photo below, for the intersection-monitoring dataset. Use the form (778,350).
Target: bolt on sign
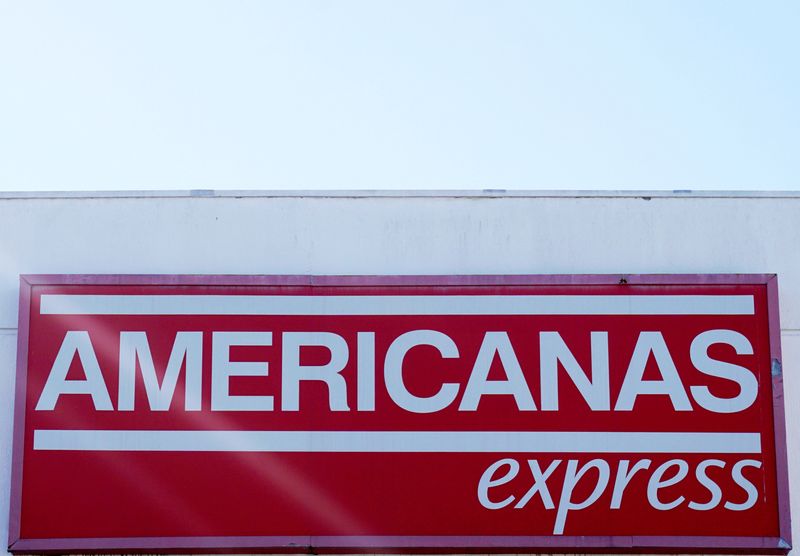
(369,413)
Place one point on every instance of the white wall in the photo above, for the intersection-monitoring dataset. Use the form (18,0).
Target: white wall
(356,233)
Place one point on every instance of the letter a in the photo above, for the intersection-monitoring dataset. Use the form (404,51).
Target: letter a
(75,342)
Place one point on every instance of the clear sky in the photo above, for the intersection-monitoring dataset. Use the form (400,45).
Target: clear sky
(141,94)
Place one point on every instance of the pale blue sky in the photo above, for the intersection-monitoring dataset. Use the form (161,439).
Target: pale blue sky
(460,94)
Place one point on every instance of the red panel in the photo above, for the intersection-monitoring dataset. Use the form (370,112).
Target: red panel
(78,498)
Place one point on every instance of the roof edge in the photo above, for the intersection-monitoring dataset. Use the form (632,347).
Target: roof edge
(404,193)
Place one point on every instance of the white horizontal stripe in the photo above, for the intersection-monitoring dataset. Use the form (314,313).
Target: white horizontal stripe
(394,441)
(397,305)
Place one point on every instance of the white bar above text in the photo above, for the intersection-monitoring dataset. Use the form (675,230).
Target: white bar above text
(342,305)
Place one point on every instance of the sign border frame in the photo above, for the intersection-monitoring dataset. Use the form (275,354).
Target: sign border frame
(403,544)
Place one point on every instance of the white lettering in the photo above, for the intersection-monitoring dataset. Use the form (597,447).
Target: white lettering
(634,385)
(479,385)
(708,482)
(134,346)
(366,371)
(75,342)
(393,370)
(222,369)
(571,479)
(747,486)
(624,477)
(293,372)
(487,481)
(595,391)
(539,484)
(748,385)
(656,483)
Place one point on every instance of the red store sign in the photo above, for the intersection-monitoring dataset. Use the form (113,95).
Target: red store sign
(447,413)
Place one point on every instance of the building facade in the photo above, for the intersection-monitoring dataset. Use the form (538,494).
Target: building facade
(402,233)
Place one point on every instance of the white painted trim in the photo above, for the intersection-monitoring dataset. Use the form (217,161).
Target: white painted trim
(401,193)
